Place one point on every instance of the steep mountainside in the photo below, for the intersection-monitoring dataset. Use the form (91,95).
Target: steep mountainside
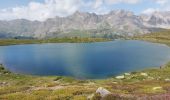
(117,22)
(157,19)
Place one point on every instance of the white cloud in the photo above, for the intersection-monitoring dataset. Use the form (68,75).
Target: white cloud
(164,5)
(51,8)
(100,6)
(150,10)
(161,2)
(41,11)
(98,3)
(122,1)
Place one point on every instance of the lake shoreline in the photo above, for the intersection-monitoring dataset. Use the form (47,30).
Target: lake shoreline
(8,42)
(137,71)
(108,65)
(148,80)
(137,38)
(145,84)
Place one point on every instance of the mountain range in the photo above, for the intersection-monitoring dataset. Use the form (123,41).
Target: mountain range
(84,24)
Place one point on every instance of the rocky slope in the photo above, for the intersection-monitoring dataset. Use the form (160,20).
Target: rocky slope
(157,20)
(117,22)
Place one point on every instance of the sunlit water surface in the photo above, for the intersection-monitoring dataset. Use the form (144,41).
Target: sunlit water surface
(84,60)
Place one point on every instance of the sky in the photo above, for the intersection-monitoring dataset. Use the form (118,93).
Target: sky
(43,9)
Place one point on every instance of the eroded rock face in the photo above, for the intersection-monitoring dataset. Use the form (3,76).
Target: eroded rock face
(117,22)
(157,19)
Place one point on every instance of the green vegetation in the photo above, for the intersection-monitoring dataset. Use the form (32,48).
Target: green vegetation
(148,82)
(4,42)
(162,36)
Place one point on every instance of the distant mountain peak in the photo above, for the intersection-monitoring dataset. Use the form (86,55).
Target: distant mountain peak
(120,22)
(78,13)
(121,13)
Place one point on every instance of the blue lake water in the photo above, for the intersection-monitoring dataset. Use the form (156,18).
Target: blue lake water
(84,60)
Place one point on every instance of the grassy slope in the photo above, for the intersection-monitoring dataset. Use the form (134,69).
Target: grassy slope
(158,37)
(4,42)
(20,87)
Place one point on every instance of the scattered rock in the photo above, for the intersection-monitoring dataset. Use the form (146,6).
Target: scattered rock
(167,80)
(144,74)
(120,77)
(3,84)
(150,78)
(127,74)
(103,92)
(90,97)
(115,82)
(157,88)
